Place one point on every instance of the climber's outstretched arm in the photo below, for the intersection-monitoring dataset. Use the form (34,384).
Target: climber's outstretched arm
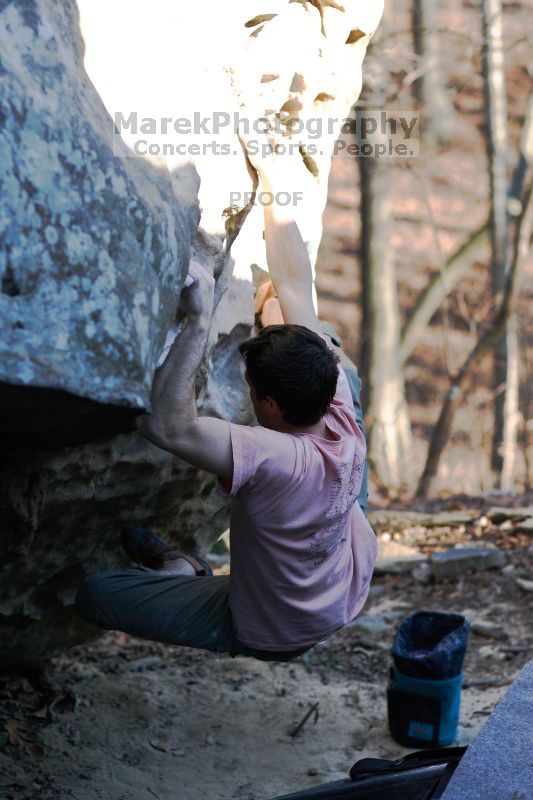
(287,257)
(173,423)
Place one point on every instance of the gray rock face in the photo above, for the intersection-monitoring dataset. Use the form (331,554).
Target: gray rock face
(70,513)
(94,250)
(498,762)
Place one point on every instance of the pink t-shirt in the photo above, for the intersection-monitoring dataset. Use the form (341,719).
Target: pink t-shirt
(302,551)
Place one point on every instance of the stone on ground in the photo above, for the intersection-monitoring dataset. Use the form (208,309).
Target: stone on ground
(499,514)
(452,563)
(395,558)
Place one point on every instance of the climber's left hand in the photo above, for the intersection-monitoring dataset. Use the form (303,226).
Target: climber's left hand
(197,299)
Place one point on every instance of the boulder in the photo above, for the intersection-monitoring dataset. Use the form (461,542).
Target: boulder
(458,561)
(524,584)
(374,625)
(525,526)
(497,763)
(498,514)
(487,629)
(94,249)
(395,558)
(396,520)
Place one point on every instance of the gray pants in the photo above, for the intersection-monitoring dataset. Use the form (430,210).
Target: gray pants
(173,609)
(181,609)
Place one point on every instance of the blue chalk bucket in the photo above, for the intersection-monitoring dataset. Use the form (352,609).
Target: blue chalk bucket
(424,693)
(423,713)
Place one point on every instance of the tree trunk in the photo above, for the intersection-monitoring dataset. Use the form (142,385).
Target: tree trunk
(389,446)
(497,145)
(511,410)
(429,89)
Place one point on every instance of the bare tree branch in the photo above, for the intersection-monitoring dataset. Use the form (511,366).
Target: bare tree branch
(487,341)
(430,299)
(445,281)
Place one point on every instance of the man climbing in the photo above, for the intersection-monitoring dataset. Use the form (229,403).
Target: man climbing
(302,551)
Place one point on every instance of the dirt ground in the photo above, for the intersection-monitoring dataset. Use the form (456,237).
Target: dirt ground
(131,720)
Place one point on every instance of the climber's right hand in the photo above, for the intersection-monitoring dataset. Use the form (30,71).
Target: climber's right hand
(270,154)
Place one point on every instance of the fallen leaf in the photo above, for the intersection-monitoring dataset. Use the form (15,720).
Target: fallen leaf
(354,36)
(259,19)
(16,731)
(161,745)
(65,701)
(41,713)
(34,749)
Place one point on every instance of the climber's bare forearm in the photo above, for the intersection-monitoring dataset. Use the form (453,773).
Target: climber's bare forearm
(173,398)
(174,424)
(287,257)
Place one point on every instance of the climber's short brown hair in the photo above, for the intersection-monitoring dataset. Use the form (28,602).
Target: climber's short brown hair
(296,368)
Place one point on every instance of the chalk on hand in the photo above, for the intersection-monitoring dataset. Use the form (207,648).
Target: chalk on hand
(171,335)
(174,331)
